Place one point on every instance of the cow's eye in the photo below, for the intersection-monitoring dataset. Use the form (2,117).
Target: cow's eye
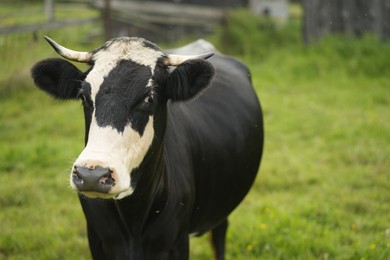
(149,99)
(83,98)
(147,104)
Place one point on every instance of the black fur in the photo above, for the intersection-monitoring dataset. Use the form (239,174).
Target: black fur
(58,77)
(189,79)
(124,91)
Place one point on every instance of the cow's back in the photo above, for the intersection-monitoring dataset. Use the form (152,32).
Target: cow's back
(215,141)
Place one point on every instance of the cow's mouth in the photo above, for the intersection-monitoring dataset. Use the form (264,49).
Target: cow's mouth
(99,195)
(123,194)
(96,195)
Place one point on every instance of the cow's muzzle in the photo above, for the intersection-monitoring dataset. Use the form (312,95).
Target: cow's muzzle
(96,179)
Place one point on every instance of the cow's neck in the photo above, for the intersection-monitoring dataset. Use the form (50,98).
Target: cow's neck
(149,195)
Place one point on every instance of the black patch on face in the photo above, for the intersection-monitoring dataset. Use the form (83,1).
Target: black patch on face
(120,100)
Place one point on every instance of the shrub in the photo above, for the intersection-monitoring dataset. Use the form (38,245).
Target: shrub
(248,35)
(256,39)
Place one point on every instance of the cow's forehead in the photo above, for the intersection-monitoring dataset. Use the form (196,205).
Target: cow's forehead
(135,49)
(110,55)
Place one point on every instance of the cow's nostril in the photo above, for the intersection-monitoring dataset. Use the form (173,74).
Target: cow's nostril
(76,177)
(107,179)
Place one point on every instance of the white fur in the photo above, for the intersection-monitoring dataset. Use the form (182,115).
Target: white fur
(121,152)
(131,49)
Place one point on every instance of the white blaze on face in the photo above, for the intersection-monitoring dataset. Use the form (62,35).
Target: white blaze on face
(122,152)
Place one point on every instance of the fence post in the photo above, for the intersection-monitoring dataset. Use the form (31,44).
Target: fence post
(350,17)
(225,25)
(107,19)
(49,10)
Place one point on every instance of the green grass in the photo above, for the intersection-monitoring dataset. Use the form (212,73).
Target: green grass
(323,187)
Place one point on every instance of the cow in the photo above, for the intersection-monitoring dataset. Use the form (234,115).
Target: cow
(173,143)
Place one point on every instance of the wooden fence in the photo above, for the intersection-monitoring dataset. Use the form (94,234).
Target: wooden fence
(48,11)
(149,19)
(20,34)
(44,26)
(351,17)
(156,20)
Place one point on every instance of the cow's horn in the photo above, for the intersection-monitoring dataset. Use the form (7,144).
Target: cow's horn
(175,60)
(79,56)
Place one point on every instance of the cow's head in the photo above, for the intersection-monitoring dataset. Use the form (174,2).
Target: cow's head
(124,95)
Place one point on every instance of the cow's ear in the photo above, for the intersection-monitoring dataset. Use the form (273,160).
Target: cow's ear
(58,77)
(188,79)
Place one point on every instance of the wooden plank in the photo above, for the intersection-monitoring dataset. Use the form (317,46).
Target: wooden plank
(45,26)
(169,11)
(163,20)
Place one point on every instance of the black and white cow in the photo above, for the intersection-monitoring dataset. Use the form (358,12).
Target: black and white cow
(173,143)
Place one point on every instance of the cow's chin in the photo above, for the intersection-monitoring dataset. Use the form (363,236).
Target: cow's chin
(115,196)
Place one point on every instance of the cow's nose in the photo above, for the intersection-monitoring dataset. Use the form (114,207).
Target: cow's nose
(97,179)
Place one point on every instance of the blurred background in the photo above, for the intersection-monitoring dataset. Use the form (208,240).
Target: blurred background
(321,69)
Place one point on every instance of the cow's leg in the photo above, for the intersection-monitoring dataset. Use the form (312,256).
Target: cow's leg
(218,236)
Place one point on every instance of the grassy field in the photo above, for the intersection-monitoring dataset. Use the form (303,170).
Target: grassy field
(323,187)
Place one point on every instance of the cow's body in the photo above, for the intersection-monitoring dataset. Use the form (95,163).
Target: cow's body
(193,175)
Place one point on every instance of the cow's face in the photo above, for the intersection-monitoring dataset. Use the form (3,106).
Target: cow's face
(123,94)
(120,93)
